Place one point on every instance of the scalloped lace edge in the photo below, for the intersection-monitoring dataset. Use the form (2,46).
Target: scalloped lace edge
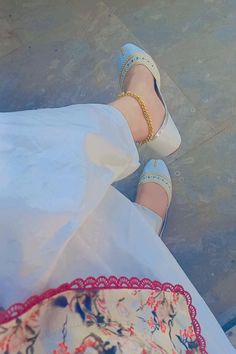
(102,282)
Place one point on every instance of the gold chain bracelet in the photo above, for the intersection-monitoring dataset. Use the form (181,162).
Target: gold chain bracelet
(145,113)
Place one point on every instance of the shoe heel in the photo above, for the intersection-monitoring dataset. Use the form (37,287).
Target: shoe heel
(167,139)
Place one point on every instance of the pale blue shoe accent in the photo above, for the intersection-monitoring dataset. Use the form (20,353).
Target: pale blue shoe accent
(157,167)
(156,171)
(167,140)
(126,51)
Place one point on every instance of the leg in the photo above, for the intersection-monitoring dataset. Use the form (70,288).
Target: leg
(140,81)
(154,197)
(140,76)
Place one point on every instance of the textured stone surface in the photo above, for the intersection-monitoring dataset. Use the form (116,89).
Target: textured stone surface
(232,336)
(8,39)
(202,218)
(58,52)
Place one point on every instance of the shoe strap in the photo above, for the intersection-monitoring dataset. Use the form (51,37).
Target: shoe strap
(147,117)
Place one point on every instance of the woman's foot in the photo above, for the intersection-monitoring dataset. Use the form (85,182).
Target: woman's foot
(140,81)
(155,188)
(153,197)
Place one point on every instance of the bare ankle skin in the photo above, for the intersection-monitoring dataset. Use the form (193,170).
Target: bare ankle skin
(139,80)
(154,197)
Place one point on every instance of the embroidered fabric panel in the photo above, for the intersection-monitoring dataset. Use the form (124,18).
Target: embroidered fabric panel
(104,315)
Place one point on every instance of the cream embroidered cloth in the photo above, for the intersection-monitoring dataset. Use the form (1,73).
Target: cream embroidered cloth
(120,316)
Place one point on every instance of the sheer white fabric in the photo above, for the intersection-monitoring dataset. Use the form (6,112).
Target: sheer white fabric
(60,217)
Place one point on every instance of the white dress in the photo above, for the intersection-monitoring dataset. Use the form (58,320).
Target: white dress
(61,219)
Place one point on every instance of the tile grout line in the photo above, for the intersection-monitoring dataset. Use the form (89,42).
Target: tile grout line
(202,143)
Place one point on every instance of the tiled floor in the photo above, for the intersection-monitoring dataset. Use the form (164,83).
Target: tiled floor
(63,52)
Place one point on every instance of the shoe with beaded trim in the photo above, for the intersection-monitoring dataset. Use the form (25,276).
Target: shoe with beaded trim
(167,139)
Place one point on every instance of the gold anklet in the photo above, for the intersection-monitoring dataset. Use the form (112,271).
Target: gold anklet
(145,113)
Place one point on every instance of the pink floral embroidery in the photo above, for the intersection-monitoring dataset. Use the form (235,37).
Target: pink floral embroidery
(175,298)
(151,323)
(88,343)
(85,298)
(162,327)
(61,349)
(157,303)
(130,330)
(188,333)
(4,344)
(151,301)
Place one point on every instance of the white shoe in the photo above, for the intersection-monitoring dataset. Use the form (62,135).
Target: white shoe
(167,140)
(156,171)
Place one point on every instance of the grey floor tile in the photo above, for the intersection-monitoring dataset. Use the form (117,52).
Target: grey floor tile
(201,229)
(52,69)
(203,67)
(161,24)
(9,40)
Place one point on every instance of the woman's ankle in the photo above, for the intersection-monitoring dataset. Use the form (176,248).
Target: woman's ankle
(133,114)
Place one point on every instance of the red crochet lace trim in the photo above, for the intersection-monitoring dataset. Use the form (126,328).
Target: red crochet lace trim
(103,282)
